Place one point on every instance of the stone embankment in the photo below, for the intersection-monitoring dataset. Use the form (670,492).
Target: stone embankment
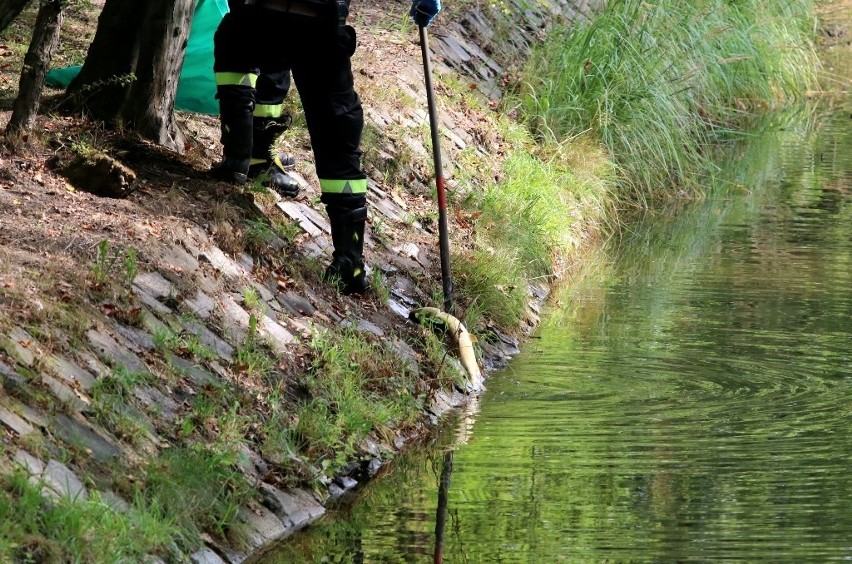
(190,286)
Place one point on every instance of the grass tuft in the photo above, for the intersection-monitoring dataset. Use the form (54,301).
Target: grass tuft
(35,528)
(652,82)
(354,386)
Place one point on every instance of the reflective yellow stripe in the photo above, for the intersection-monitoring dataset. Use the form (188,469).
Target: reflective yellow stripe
(268,110)
(358,186)
(236,79)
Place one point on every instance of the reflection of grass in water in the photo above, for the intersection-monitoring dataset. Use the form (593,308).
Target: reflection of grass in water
(751,164)
(658,251)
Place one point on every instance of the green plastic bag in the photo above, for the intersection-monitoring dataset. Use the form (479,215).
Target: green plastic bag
(197,85)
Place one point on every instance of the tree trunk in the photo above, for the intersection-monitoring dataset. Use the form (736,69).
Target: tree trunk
(131,71)
(9,10)
(43,44)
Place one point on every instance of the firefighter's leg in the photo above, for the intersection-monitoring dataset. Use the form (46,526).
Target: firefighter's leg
(236,80)
(335,123)
(269,123)
(347,214)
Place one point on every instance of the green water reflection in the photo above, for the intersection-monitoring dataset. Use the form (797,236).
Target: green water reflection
(691,401)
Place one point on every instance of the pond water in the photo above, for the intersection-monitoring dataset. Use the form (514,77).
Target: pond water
(691,400)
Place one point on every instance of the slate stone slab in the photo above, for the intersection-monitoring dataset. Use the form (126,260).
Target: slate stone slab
(15,422)
(399,309)
(510,345)
(389,209)
(154,284)
(222,262)
(246,261)
(151,302)
(130,411)
(252,463)
(194,372)
(70,372)
(260,526)
(63,481)
(450,48)
(33,416)
(114,501)
(79,434)
(295,508)
(420,150)
(210,340)
(375,116)
(154,400)
(138,340)
(539,291)
(453,136)
(208,283)
(264,292)
(71,398)
(201,305)
(275,335)
(206,556)
(441,403)
(365,326)
(335,491)
(177,260)
(403,263)
(91,363)
(318,219)
(317,247)
(302,329)
(346,483)
(294,211)
(111,352)
(494,356)
(407,354)
(296,304)
(479,24)
(10,378)
(373,467)
(32,465)
(19,345)
(235,319)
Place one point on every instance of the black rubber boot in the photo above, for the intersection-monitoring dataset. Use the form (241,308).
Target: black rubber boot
(278,169)
(275,165)
(347,270)
(235,113)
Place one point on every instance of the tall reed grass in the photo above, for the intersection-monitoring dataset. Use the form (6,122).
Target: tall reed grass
(618,110)
(654,82)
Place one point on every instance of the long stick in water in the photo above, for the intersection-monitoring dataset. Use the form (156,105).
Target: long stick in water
(443,231)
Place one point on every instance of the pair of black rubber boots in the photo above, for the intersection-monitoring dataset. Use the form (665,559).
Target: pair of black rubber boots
(248,156)
(248,144)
